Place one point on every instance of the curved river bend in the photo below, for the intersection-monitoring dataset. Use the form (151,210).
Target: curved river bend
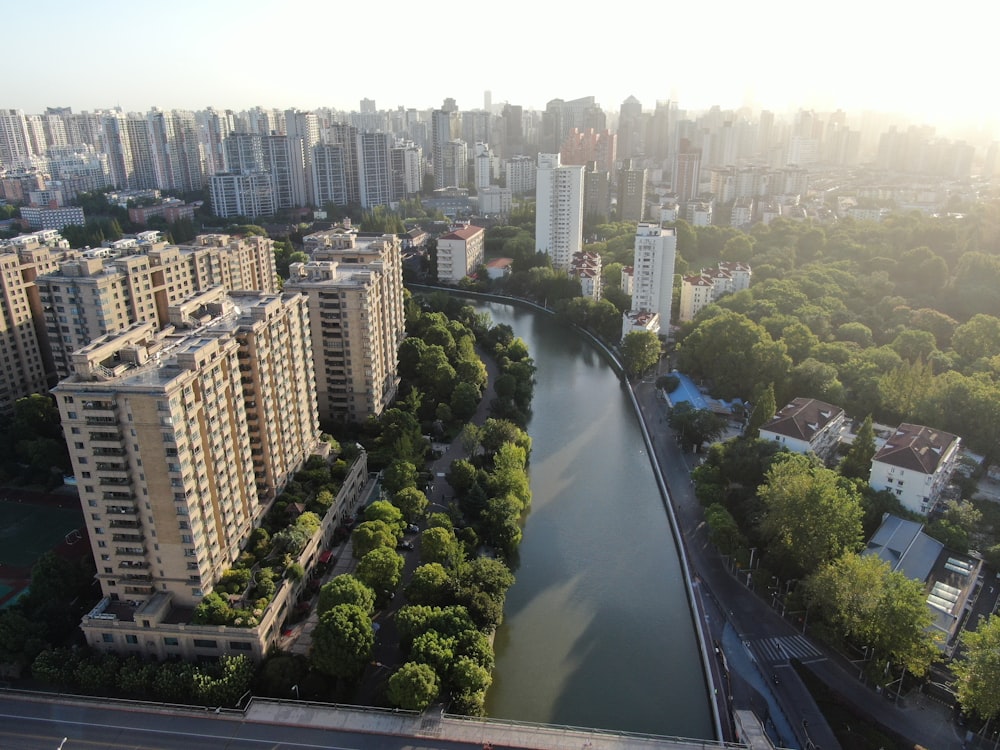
(597,630)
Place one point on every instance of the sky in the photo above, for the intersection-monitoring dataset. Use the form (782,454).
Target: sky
(934,63)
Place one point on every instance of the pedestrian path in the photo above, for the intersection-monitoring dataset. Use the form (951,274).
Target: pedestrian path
(787,647)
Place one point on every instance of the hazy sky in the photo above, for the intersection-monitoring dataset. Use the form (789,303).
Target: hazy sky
(935,62)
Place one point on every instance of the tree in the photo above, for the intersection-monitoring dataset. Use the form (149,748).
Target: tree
(345,589)
(398,475)
(389,514)
(857,463)
(440,545)
(735,353)
(381,569)
(764,409)
(411,502)
(372,535)
(342,641)
(977,669)
(640,351)
(811,516)
(430,584)
(696,426)
(868,603)
(464,401)
(413,687)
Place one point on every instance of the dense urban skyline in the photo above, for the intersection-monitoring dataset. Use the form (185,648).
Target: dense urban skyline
(307,54)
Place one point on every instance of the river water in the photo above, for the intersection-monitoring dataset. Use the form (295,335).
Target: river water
(597,630)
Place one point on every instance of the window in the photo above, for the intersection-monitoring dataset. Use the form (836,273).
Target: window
(168,641)
(240,646)
(133,639)
(108,637)
(205,643)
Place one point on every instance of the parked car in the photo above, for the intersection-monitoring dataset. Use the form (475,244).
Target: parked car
(412,528)
(404,545)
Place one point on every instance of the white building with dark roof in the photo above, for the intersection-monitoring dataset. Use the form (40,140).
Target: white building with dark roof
(915,464)
(806,425)
(949,577)
(460,253)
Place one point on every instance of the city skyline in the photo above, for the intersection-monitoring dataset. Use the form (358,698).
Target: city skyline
(307,55)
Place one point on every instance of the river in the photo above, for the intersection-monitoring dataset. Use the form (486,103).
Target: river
(597,630)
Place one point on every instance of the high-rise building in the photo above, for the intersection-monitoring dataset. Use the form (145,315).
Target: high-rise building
(445,128)
(94,294)
(521,174)
(330,174)
(630,128)
(15,143)
(248,194)
(22,370)
(687,173)
(631,192)
(454,164)
(374,152)
(181,439)
(302,130)
(653,274)
(355,291)
(558,210)
(596,193)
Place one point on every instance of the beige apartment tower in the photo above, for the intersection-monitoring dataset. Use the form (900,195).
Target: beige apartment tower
(181,438)
(355,291)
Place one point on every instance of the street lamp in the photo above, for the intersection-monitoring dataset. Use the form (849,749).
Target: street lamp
(296,689)
(752,551)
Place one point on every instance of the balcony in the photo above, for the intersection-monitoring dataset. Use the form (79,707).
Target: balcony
(140,589)
(100,421)
(124,523)
(117,495)
(116,452)
(106,440)
(98,406)
(136,538)
(105,481)
(133,564)
(122,510)
(131,551)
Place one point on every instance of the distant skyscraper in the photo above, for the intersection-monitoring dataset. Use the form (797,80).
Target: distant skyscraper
(630,128)
(596,193)
(558,210)
(687,170)
(488,100)
(631,192)
(444,129)
(15,143)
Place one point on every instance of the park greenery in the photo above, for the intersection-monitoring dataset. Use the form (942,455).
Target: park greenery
(454,599)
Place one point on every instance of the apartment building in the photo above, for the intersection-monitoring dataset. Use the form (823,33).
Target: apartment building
(558,210)
(460,252)
(355,291)
(915,464)
(710,284)
(586,268)
(168,433)
(806,425)
(653,270)
(94,293)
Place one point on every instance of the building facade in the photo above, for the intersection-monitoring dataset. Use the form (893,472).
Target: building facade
(915,464)
(558,210)
(653,270)
(806,425)
(355,292)
(460,253)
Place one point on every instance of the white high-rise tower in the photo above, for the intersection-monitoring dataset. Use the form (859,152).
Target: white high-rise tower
(558,210)
(653,280)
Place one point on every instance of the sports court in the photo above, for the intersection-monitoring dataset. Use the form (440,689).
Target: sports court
(29,527)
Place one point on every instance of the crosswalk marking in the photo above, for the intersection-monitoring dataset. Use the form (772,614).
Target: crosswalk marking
(787,647)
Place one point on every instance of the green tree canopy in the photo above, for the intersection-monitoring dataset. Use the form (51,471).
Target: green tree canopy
(345,589)
(413,687)
(640,351)
(977,669)
(811,516)
(342,641)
